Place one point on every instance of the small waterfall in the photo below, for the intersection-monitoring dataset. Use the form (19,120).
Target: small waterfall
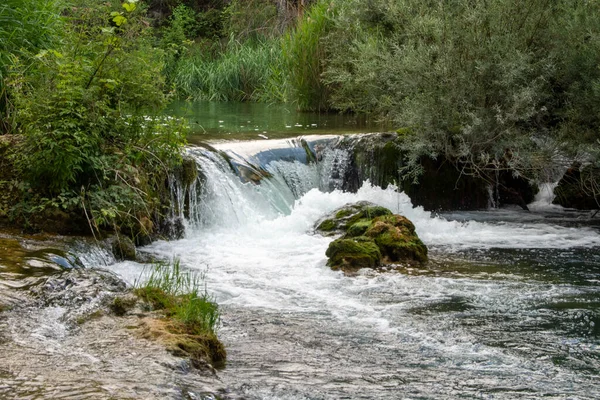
(241,184)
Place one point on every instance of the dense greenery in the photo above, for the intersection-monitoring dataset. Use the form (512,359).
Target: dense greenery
(79,106)
(484,85)
(503,84)
(25,26)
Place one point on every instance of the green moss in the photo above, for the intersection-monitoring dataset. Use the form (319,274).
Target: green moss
(404,131)
(368,212)
(120,305)
(157,298)
(396,245)
(358,228)
(343,213)
(189,171)
(327,226)
(353,254)
(200,348)
(398,221)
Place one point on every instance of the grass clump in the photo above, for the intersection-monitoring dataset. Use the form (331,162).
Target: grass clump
(192,315)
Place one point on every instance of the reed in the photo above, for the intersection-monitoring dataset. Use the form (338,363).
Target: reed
(242,73)
(305,56)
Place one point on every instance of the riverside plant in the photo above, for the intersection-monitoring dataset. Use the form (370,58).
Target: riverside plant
(182,295)
(243,72)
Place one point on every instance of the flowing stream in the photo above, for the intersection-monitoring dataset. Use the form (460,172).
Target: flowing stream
(507,308)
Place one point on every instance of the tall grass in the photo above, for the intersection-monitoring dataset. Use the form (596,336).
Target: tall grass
(244,72)
(182,294)
(26,26)
(304,55)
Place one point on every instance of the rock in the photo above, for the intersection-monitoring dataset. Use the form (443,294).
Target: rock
(123,248)
(396,238)
(344,217)
(578,188)
(353,254)
(371,237)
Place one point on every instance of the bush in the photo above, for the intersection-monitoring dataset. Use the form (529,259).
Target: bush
(475,84)
(88,145)
(26,26)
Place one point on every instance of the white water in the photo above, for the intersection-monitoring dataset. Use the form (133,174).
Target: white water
(264,263)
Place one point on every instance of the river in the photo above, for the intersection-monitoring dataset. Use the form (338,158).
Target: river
(507,308)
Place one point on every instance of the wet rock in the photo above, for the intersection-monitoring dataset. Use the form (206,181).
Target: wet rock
(579,188)
(75,288)
(443,187)
(353,254)
(371,237)
(397,240)
(123,248)
(342,219)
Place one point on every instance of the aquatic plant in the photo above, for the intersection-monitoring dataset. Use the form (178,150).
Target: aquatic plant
(192,317)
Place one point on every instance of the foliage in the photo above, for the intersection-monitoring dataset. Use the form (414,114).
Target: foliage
(252,19)
(243,72)
(182,295)
(305,55)
(25,26)
(488,85)
(87,145)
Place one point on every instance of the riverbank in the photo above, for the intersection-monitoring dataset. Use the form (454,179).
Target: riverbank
(64,338)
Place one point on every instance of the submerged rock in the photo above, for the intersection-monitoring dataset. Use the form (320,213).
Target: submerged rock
(371,237)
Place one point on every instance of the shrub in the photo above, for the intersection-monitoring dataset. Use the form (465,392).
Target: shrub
(476,85)
(25,26)
(88,146)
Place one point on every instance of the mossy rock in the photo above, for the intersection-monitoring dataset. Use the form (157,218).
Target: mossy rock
(370,236)
(340,220)
(123,248)
(353,254)
(327,226)
(358,228)
(397,243)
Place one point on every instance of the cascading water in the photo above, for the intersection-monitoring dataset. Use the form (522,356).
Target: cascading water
(506,309)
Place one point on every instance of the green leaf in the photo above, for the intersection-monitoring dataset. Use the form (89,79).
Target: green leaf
(129,7)
(119,20)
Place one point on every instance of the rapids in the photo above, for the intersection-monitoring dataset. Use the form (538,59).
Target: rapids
(506,309)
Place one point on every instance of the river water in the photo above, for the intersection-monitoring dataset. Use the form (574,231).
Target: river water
(507,308)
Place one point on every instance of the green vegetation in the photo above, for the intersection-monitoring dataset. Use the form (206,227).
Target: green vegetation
(487,86)
(26,26)
(484,86)
(79,104)
(182,295)
(192,316)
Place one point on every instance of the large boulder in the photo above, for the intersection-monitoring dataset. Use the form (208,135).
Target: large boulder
(370,237)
